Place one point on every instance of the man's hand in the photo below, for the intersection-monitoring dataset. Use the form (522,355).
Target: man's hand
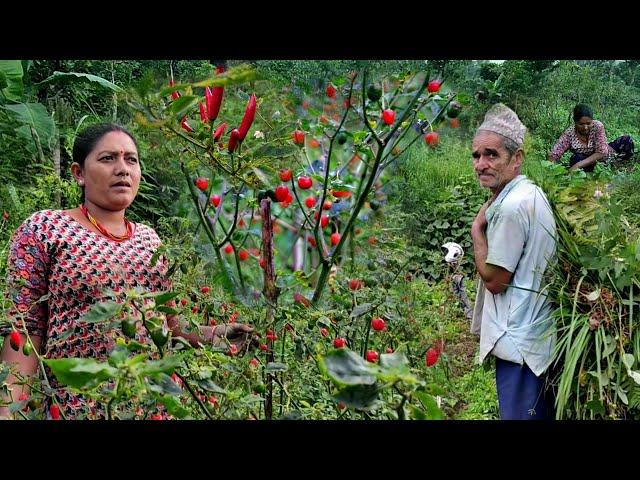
(480,222)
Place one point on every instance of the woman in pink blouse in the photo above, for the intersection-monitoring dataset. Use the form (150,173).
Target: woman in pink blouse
(61,262)
(587,142)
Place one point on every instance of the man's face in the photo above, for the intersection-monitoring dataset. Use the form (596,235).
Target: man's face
(492,163)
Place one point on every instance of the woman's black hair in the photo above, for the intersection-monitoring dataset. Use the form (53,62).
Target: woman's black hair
(581,110)
(88,138)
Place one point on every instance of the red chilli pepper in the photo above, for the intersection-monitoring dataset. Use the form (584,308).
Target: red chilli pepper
(175,95)
(203,114)
(219,131)
(185,125)
(214,100)
(234,139)
(247,119)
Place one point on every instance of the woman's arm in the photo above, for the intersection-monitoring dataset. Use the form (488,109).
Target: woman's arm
(590,160)
(235,333)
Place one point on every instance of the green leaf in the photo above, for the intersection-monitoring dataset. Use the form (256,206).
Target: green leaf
(37,117)
(275,151)
(61,77)
(430,406)
(434,389)
(610,346)
(173,406)
(13,73)
(260,175)
(100,312)
(164,297)
(162,383)
(182,105)
(168,310)
(118,356)
(241,74)
(345,367)
(80,373)
(272,367)
(393,360)
(417,413)
(166,365)
(622,394)
(628,360)
(595,405)
(208,385)
(635,376)
(361,310)
(361,397)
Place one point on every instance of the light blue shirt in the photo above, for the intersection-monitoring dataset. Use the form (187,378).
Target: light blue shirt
(521,233)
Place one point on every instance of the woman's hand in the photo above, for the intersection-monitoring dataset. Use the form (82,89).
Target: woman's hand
(238,334)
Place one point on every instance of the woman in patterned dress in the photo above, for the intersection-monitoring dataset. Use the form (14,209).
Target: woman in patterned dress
(587,142)
(75,256)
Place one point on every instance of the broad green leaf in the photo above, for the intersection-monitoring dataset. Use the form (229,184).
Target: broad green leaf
(208,385)
(80,373)
(167,365)
(61,77)
(435,389)
(392,360)
(162,383)
(13,73)
(361,397)
(168,310)
(173,406)
(240,74)
(101,312)
(635,376)
(276,367)
(595,405)
(361,310)
(260,175)
(610,346)
(164,297)
(418,413)
(430,406)
(345,367)
(36,116)
(118,355)
(182,105)
(628,360)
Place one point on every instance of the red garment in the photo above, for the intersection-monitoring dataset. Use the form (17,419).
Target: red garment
(596,142)
(52,253)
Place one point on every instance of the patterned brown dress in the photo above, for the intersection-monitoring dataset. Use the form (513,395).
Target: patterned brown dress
(53,254)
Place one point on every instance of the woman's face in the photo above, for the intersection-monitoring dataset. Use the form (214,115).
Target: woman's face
(583,125)
(111,172)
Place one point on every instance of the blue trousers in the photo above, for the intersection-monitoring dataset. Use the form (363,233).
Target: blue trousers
(522,395)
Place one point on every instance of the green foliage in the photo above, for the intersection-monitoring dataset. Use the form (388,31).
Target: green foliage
(438,198)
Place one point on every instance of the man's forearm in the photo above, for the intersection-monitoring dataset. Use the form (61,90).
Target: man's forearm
(495,278)
(480,251)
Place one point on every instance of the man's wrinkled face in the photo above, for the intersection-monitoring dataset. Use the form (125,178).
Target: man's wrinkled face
(493,164)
